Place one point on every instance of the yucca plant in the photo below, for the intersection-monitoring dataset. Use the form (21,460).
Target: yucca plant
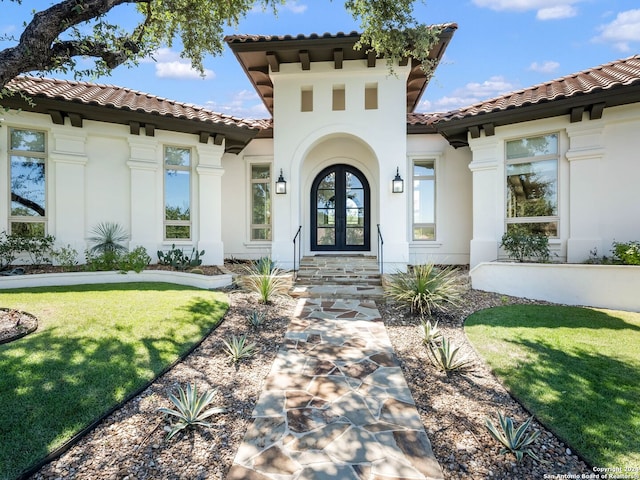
(514,440)
(447,357)
(256,318)
(191,409)
(107,238)
(430,332)
(425,288)
(238,348)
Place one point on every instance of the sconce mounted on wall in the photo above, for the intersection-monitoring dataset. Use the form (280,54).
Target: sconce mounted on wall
(397,183)
(281,184)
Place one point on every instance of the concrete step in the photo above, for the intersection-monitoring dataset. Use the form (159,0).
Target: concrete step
(333,291)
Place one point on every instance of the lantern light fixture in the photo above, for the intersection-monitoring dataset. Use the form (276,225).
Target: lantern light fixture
(281,184)
(397,183)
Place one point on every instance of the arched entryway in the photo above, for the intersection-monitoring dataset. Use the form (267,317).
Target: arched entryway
(340,210)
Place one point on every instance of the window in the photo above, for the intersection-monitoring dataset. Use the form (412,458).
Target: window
(306,99)
(177,193)
(532,185)
(424,200)
(27,173)
(260,202)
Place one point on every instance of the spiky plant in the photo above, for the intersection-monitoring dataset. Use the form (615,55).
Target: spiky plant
(256,318)
(107,238)
(514,440)
(266,280)
(191,409)
(238,348)
(425,288)
(429,331)
(447,357)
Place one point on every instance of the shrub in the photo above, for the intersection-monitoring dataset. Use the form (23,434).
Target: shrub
(37,248)
(514,440)
(425,288)
(100,262)
(176,258)
(108,238)
(136,260)
(8,249)
(627,253)
(66,257)
(238,348)
(447,357)
(522,245)
(190,409)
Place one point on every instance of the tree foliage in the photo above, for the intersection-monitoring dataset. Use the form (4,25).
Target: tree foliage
(57,37)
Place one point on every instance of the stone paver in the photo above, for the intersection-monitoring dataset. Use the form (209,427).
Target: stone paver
(335,404)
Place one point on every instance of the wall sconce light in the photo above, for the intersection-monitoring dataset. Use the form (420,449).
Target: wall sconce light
(281,184)
(398,182)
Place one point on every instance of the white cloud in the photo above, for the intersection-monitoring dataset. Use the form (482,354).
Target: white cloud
(546,9)
(295,7)
(169,64)
(622,31)
(243,104)
(471,93)
(544,67)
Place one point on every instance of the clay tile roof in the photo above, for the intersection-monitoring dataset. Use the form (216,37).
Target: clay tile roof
(124,99)
(605,77)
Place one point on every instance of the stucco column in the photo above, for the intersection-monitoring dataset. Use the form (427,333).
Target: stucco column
(208,213)
(585,154)
(146,221)
(68,209)
(394,218)
(488,199)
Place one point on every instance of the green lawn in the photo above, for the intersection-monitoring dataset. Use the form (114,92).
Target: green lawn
(95,345)
(575,369)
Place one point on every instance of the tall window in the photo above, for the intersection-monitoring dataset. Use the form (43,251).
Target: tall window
(177,193)
(27,153)
(424,200)
(260,202)
(532,185)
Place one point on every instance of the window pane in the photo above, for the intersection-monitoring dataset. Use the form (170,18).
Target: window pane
(178,232)
(260,234)
(177,156)
(260,172)
(532,147)
(27,186)
(550,229)
(27,140)
(532,189)
(424,201)
(28,229)
(424,169)
(261,199)
(177,195)
(424,233)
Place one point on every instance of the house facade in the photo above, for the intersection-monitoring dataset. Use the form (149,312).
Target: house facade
(343,163)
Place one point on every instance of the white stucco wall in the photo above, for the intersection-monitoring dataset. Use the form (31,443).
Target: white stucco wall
(598,202)
(102,173)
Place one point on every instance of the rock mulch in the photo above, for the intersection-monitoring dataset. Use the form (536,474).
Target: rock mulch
(131,445)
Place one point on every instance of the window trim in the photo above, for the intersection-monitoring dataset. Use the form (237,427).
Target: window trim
(427,158)
(533,159)
(270,181)
(44,219)
(177,223)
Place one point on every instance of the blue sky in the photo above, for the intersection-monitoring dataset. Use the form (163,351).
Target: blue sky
(500,46)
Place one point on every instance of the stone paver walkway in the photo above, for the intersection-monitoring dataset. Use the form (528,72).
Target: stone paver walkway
(335,404)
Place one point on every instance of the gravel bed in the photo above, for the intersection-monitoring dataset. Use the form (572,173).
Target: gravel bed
(131,445)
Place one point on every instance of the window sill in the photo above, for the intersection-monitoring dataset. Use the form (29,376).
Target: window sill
(425,243)
(258,244)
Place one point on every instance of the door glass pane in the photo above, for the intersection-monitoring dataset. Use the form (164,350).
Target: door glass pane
(355,236)
(326,236)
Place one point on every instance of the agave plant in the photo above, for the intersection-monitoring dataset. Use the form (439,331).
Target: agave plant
(191,409)
(238,348)
(430,332)
(447,357)
(108,237)
(425,288)
(514,440)
(256,318)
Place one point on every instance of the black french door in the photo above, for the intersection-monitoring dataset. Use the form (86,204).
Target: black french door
(340,210)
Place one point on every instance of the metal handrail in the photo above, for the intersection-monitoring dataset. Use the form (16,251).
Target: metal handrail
(299,244)
(380,251)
